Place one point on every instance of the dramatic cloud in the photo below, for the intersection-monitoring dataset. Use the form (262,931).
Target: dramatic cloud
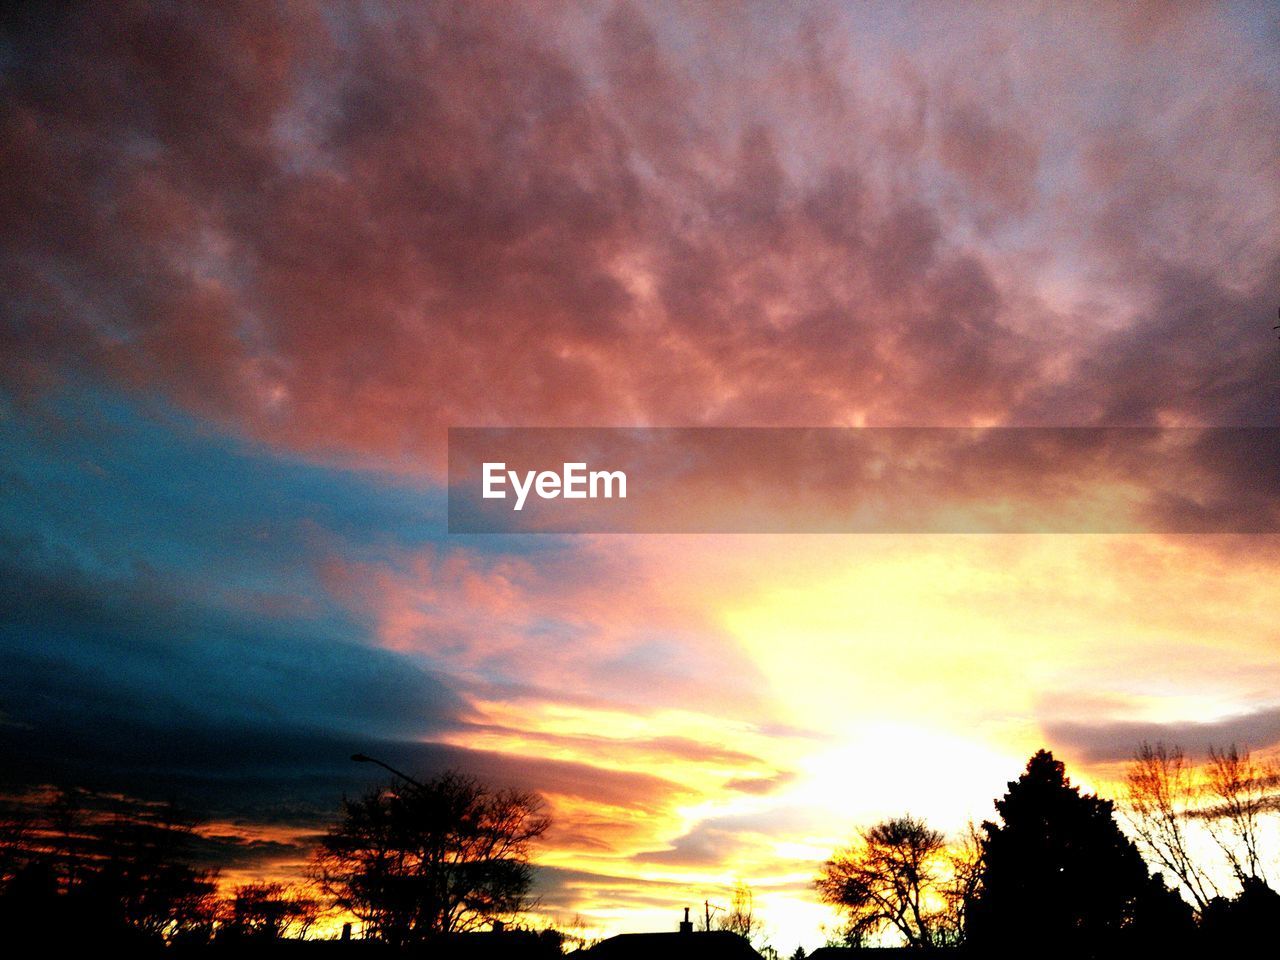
(1104,742)
(172,623)
(344,232)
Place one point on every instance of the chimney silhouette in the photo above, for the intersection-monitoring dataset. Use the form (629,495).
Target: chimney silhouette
(686,925)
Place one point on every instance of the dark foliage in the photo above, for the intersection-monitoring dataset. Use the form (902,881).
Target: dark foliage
(884,881)
(421,860)
(1233,926)
(86,867)
(1061,879)
(267,911)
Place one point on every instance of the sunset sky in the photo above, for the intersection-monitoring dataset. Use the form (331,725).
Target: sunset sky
(259,257)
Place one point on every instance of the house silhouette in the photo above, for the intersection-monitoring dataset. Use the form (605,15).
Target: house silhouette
(682,944)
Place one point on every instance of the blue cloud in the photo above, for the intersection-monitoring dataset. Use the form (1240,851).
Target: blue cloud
(160,603)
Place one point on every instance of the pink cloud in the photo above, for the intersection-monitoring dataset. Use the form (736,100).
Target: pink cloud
(588,623)
(341,235)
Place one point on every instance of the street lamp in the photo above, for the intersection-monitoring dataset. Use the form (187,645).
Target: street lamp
(361,758)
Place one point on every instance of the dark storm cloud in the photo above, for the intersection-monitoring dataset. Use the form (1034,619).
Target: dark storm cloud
(168,629)
(111,690)
(229,851)
(1099,743)
(117,683)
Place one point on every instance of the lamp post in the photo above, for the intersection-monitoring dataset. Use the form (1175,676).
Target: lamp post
(361,758)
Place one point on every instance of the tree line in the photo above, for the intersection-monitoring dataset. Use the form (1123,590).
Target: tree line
(409,860)
(77,866)
(1054,873)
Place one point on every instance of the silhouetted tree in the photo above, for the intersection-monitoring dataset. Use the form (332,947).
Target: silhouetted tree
(269,911)
(17,824)
(145,871)
(960,889)
(741,917)
(1240,793)
(1059,878)
(1160,796)
(444,856)
(573,936)
(1161,922)
(887,879)
(103,869)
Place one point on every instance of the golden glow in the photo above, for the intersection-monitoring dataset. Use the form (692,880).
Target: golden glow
(851,679)
(895,674)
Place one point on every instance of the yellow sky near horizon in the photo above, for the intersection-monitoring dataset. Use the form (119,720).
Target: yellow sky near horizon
(889,674)
(857,678)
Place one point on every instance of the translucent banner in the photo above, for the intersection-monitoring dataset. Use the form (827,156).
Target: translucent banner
(869,480)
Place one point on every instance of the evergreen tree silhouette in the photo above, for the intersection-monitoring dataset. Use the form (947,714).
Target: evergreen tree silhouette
(1060,878)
